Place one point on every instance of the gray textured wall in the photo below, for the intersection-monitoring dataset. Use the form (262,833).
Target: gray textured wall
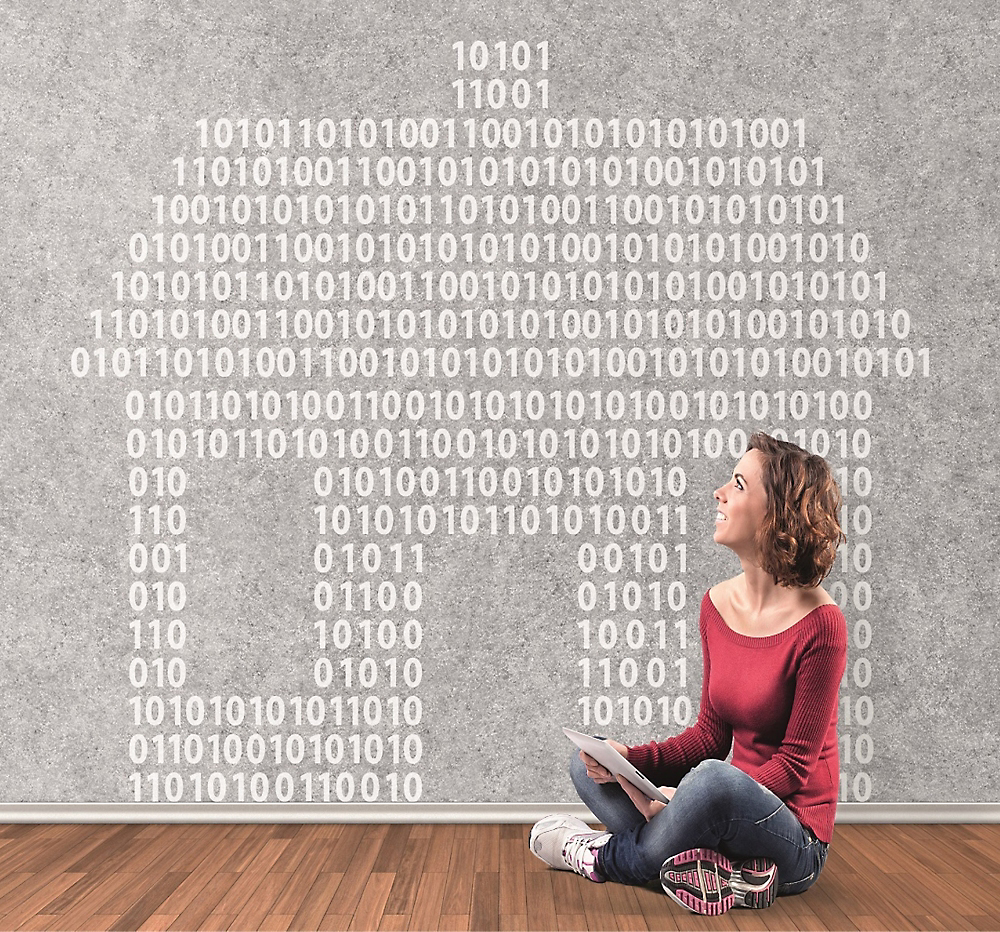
(97,101)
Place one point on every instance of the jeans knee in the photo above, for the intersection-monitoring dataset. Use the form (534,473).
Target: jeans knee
(712,771)
(715,782)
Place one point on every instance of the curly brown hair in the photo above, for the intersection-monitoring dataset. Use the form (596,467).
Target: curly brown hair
(798,540)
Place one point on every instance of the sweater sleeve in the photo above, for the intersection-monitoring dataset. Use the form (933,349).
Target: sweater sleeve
(665,762)
(817,690)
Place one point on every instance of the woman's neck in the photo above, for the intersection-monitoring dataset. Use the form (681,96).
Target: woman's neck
(760,593)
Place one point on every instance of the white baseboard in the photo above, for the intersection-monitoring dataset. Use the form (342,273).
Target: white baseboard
(427,812)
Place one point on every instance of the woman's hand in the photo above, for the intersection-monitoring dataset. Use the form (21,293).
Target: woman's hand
(648,807)
(597,772)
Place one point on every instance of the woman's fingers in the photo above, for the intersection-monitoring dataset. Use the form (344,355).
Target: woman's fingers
(619,747)
(648,807)
(639,799)
(596,772)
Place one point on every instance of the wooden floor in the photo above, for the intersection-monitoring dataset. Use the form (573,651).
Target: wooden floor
(452,877)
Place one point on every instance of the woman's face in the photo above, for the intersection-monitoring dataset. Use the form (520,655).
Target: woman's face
(742,505)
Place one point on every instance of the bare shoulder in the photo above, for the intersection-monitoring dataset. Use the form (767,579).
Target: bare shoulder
(722,593)
(819,596)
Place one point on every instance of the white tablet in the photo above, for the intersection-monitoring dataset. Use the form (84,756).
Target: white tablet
(607,756)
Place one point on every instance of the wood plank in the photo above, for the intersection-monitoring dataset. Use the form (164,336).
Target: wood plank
(929,923)
(623,899)
(276,922)
(236,897)
(334,922)
(458,889)
(359,868)
(331,841)
(776,918)
(803,922)
(939,859)
(98,923)
(147,851)
(982,922)
(12,881)
(868,923)
(149,901)
(371,905)
(158,922)
(394,922)
(596,901)
(408,871)
(317,901)
(625,907)
(454,923)
(153,857)
(17,829)
(209,852)
(870,893)
(299,848)
(749,920)
(485,911)
(36,922)
(248,847)
(57,850)
(656,908)
(82,911)
(260,902)
(428,901)
(298,883)
(513,922)
(110,849)
(851,847)
(36,904)
(32,839)
(487,849)
(218,923)
(34,884)
(541,901)
(631,923)
(198,850)
(513,900)
(203,905)
(829,912)
(391,852)
(127,896)
(440,849)
(567,891)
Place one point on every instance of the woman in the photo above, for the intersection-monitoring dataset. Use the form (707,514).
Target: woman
(774,647)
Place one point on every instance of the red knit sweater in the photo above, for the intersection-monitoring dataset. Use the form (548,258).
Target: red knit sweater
(774,701)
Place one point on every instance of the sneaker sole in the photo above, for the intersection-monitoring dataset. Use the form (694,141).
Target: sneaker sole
(699,881)
(754,883)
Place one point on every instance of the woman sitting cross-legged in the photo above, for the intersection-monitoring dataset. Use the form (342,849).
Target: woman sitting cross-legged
(774,648)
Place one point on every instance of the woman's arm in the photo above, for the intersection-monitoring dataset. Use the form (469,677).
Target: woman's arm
(709,737)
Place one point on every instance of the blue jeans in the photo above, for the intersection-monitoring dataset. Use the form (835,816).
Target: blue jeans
(716,806)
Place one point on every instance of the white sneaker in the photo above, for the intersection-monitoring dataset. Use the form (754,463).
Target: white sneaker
(568,844)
